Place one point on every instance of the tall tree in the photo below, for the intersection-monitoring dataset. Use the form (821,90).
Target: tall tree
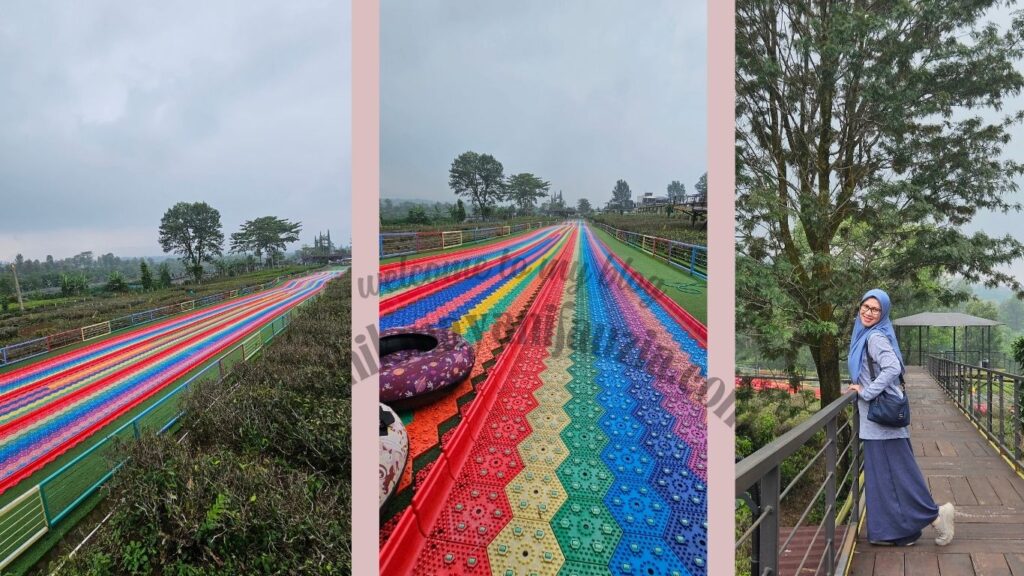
(622,196)
(479,177)
(458,211)
(583,206)
(164,270)
(676,190)
(146,276)
(861,154)
(524,189)
(193,231)
(702,187)
(265,235)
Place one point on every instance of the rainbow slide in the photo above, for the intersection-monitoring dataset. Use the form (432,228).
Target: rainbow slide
(52,405)
(577,446)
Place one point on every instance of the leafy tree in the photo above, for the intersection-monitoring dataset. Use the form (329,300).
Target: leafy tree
(480,178)
(146,276)
(676,190)
(116,283)
(164,269)
(583,206)
(524,189)
(702,187)
(458,211)
(267,234)
(1011,311)
(417,215)
(73,284)
(194,232)
(1017,349)
(861,154)
(622,197)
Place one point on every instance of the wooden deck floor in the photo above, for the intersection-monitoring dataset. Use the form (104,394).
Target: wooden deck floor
(963,468)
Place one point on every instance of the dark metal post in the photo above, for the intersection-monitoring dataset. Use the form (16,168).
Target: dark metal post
(768,535)
(855,482)
(831,457)
(988,382)
(1002,408)
(1016,419)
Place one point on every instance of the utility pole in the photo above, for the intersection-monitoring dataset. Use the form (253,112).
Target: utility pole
(17,288)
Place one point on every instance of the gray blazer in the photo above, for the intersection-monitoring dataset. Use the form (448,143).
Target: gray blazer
(887,377)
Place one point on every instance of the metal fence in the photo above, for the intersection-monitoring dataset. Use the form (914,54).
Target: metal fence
(405,243)
(31,348)
(990,398)
(827,489)
(29,517)
(690,258)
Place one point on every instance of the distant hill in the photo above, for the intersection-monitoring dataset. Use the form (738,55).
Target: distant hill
(999,294)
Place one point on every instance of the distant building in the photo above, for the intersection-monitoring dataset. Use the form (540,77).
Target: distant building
(649,199)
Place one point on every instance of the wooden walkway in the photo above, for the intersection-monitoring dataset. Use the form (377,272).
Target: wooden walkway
(961,467)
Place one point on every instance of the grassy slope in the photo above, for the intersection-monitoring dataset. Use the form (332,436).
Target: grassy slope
(689,292)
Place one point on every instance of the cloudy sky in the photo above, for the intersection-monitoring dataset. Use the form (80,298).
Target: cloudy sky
(999,224)
(114,111)
(579,93)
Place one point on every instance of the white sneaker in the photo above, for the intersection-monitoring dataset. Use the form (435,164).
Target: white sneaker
(944,524)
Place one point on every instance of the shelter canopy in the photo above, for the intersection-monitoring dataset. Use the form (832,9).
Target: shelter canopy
(954,319)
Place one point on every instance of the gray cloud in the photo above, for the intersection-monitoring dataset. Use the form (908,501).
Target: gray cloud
(579,93)
(114,111)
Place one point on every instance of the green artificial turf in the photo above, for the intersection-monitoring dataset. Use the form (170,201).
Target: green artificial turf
(688,291)
(454,248)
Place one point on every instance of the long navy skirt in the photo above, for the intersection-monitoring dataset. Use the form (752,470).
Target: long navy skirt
(899,504)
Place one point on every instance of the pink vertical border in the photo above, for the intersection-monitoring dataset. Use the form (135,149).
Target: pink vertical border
(365,194)
(721,285)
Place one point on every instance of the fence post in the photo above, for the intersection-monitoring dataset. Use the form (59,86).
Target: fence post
(46,504)
(831,468)
(693,260)
(855,476)
(1016,418)
(988,379)
(768,533)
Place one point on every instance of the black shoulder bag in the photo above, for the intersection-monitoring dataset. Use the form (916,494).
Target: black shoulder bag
(888,409)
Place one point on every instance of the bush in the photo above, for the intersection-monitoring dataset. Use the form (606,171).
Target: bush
(260,485)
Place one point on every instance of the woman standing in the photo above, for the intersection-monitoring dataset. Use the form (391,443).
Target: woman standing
(899,504)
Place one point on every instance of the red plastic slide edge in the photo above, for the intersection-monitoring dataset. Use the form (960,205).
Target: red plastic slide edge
(393,303)
(401,550)
(696,329)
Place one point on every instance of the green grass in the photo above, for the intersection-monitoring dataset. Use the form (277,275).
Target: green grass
(46,303)
(41,548)
(688,291)
(74,312)
(455,248)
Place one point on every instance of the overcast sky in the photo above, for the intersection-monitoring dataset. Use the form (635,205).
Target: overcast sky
(999,224)
(577,92)
(111,112)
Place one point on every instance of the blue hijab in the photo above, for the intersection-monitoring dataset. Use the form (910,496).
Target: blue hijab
(861,334)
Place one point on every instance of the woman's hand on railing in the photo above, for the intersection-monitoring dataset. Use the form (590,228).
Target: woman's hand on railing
(854,388)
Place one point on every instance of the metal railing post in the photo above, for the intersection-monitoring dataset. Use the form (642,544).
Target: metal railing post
(988,383)
(855,462)
(831,461)
(768,534)
(1017,389)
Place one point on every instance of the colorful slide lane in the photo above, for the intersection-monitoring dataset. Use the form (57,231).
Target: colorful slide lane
(52,405)
(579,444)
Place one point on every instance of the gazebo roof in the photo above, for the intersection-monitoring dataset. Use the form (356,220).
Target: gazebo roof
(955,319)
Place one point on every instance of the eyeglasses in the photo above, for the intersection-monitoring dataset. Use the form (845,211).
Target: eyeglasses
(870,310)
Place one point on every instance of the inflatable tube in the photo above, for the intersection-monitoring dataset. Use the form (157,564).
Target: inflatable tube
(394,451)
(418,363)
